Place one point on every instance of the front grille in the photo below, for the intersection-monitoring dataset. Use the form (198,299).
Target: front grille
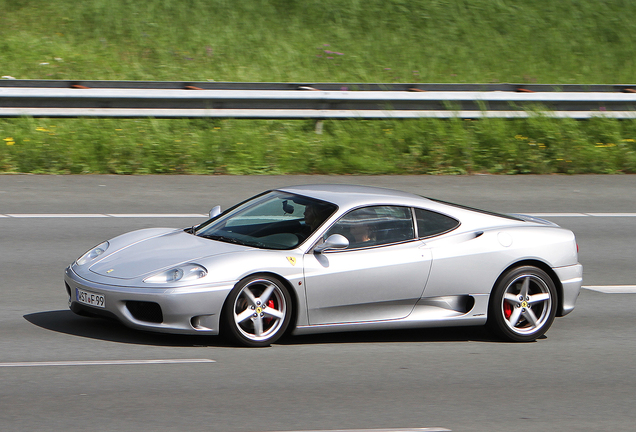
(145,311)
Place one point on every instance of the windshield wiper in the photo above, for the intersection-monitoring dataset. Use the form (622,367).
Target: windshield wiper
(223,238)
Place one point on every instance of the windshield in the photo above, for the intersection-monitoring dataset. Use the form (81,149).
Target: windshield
(274,220)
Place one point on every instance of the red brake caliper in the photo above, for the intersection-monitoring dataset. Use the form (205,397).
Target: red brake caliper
(507,309)
(270,304)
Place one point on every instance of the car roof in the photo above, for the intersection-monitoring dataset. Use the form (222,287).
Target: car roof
(354,195)
(347,197)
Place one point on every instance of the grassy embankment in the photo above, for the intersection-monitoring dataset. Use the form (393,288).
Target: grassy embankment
(319,41)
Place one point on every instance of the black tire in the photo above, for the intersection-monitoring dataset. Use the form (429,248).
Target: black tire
(523,304)
(257,312)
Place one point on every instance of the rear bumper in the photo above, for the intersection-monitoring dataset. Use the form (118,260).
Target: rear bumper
(571,278)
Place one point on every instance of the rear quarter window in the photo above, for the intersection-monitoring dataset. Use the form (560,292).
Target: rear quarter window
(430,223)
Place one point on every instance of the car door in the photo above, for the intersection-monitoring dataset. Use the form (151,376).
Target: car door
(380,276)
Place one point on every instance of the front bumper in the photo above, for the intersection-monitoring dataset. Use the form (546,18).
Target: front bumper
(571,278)
(185,310)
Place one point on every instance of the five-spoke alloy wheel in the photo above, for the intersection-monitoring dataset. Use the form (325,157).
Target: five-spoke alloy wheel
(523,304)
(257,311)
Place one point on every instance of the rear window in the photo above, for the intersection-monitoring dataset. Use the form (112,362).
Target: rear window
(476,210)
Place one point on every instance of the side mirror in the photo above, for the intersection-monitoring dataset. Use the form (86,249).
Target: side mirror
(334,241)
(215,211)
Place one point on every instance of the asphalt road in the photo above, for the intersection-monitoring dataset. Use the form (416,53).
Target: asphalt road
(581,376)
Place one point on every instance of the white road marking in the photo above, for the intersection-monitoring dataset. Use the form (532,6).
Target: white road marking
(104,362)
(54,215)
(612,289)
(547,215)
(110,215)
(424,429)
(198,215)
(156,215)
(612,214)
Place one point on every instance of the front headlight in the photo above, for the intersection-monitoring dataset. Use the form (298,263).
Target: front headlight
(92,254)
(184,273)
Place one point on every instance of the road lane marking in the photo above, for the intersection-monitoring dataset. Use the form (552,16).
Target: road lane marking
(105,362)
(612,214)
(423,429)
(53,215)
(107,215)
(199,215)
(612,289)
(156,215)
(545,215)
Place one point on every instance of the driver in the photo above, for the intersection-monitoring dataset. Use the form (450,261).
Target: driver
(314,216)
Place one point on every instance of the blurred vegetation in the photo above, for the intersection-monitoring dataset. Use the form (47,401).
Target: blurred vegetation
(570,41)
(538,145)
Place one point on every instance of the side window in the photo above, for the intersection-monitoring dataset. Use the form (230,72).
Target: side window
(377,225)
(430,223)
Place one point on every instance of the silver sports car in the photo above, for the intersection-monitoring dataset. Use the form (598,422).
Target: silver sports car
(326,258)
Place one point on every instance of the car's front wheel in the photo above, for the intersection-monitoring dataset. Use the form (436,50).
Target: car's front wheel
(257,311)
(523,304)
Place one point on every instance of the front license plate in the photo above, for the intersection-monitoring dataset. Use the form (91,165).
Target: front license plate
(90,298)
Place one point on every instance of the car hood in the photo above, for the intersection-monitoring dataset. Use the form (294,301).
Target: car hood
(158,253)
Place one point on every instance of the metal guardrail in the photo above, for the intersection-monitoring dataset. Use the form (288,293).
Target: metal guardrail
(213,85)
(310,100)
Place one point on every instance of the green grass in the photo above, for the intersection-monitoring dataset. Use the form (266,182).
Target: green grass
(569,41)
(563,42)
(537,145)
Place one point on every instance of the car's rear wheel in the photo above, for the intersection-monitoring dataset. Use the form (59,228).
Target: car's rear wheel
(257,311)
(523,304)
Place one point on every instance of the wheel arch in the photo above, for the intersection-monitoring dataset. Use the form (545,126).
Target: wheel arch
(290,289)
(546,268)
